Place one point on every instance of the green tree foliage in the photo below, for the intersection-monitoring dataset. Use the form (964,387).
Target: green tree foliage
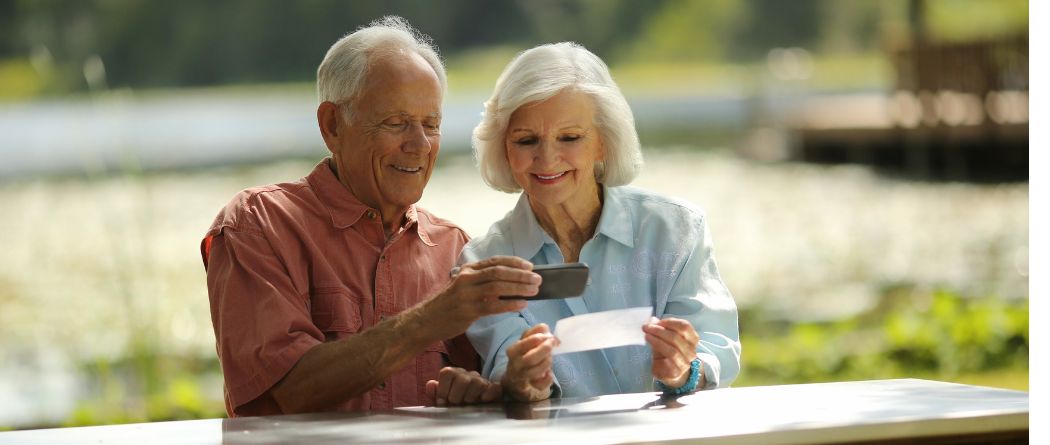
(200,42)
(688,30)
(737,30)
(973,19)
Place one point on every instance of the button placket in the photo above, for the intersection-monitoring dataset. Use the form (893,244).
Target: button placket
(384,287)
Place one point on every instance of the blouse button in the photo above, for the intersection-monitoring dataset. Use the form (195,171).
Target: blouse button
(371,214)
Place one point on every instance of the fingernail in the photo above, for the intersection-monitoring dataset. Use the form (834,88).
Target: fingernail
(535,278)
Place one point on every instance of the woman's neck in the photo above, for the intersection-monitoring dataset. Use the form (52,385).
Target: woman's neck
(570,224)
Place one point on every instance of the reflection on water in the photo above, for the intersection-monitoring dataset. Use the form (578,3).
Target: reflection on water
(119,130)
(94,268)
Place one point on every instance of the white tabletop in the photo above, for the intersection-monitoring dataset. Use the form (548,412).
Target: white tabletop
(840,412)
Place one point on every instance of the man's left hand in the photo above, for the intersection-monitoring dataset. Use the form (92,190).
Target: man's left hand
(456,386)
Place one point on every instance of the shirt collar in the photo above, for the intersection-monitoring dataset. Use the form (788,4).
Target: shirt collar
(346,210)
(422,225)
(616,221)
(528,237)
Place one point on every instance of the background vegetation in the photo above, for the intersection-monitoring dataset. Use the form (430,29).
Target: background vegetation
(46,45)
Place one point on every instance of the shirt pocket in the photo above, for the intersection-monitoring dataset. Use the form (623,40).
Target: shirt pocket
(335,312)
(433,358)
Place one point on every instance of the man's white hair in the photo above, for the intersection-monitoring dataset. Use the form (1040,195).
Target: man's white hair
(538,74)
(342,73)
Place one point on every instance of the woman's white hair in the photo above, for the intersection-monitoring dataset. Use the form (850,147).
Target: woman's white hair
(538,74)
(342,73)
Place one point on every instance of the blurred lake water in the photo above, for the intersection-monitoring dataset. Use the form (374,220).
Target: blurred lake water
(121,129)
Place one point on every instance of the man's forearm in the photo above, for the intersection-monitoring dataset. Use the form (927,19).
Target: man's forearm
(331,373)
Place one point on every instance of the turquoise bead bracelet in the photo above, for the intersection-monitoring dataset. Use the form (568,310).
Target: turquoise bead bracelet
(689,386)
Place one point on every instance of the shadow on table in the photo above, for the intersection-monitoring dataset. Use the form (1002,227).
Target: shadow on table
(405,425)
(585,406)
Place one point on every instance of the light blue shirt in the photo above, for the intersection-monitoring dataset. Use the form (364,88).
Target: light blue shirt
(648,250)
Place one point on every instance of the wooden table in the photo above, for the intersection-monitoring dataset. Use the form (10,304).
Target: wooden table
(895,411)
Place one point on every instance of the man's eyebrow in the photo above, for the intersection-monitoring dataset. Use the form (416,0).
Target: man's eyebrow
(405,114)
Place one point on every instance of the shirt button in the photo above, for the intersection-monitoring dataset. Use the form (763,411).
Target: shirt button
(382,385)
(370,214)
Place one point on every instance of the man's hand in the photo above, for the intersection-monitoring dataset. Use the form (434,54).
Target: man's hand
(475,290)
(674,342)
(456,386)
(529,375)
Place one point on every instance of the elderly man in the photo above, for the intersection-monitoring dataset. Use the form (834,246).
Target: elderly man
(333,292)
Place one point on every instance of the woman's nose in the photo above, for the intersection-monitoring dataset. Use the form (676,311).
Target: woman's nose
(546,153)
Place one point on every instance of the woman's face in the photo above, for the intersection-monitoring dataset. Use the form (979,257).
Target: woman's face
(552,146)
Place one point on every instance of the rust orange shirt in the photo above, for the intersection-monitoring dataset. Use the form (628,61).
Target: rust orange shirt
(296,264)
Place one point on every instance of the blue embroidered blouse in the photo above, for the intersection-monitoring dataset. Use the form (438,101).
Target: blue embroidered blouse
(648,250)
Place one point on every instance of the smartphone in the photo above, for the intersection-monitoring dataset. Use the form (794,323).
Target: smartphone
(559,281)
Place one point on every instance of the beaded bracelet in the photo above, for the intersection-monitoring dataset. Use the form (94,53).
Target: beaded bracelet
(689,386)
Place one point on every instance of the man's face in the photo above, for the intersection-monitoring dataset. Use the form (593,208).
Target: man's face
(385,155)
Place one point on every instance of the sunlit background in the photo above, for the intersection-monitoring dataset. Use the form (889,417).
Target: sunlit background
(863,164)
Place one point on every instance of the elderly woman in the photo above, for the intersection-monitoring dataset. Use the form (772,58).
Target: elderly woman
(558,129)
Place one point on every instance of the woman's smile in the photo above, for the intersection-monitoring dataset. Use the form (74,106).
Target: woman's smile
(550,178)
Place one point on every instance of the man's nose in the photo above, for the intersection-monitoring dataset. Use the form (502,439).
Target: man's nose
(416,140)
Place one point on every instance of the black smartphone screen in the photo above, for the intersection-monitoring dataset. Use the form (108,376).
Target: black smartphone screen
(559,281)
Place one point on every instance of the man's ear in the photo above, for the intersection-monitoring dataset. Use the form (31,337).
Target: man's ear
(328,118)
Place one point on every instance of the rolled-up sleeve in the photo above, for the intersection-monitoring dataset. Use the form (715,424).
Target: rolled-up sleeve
(700,297)
(262,323)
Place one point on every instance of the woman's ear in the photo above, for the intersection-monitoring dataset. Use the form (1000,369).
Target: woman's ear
(328,118)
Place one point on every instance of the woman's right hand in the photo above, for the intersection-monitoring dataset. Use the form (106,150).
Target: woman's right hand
(529,376)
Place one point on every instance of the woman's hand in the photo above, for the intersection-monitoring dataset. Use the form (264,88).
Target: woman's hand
(674,342)
(529,375)
(456,386)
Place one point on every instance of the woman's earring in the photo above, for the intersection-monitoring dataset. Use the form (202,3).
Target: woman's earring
(599,171)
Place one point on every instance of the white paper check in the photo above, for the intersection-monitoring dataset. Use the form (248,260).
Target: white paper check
(602,330)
